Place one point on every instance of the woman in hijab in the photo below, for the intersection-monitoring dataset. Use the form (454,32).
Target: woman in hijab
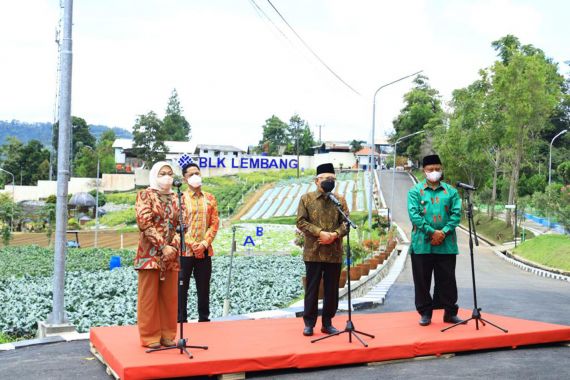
(156,260)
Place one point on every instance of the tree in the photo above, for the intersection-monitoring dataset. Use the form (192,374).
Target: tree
(462,144)
(80,136)
(11,157)
(528,89)
(422,110)
(563,171)
(86,163)
(106,152)
(275,135)
(148,136)
(175,125)
(356,145)
(9,212)
(86,160)
(299,135)
(26,162)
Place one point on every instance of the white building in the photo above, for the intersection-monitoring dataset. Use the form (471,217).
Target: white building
(229,151)
(126,161)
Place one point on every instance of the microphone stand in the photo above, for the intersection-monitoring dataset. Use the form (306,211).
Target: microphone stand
(476,314)
(349,329)
(181,343)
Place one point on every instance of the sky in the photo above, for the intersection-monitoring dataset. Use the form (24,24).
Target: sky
(233,69)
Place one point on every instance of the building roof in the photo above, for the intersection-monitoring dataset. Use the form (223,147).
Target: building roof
(365,152)
(174,147)
(220,148)
(339,145)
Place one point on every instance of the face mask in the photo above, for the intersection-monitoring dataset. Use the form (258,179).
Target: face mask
(433,176)
(165,182)
(327,185)
(195,181)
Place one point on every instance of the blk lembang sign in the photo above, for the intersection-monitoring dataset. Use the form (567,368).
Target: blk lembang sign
(247,163)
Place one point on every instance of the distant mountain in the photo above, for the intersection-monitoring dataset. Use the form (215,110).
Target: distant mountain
(42,131)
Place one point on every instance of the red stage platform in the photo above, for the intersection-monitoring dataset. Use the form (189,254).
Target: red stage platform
(254,345)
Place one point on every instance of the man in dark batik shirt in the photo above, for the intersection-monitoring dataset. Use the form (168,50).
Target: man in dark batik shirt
(323,227)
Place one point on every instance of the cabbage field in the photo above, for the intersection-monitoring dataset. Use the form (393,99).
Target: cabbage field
(96,296)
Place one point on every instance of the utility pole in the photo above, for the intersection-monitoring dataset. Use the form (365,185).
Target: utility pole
(58,315)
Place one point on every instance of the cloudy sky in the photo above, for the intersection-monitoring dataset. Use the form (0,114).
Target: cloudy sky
(233,69)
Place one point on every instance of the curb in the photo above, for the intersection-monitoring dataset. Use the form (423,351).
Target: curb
(531,269)
(521,265)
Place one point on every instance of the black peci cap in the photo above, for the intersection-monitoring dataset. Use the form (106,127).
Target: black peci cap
(431,160)
(325,168)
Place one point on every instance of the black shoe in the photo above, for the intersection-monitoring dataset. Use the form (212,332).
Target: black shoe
(329,330)
(453,319)
(204,320)
(425,320)
(308,331)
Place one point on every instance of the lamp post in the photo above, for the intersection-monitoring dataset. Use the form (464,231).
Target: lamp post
(394,168)
(372,165)
(13,200)
(550,167)
(96,198)
(550,156)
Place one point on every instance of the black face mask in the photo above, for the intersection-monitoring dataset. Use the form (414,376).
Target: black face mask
(327,185)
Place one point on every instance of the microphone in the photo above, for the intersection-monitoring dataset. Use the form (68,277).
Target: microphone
(333,199)
(177,182)
(465,186)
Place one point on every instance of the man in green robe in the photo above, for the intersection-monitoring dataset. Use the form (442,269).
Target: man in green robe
(434,208)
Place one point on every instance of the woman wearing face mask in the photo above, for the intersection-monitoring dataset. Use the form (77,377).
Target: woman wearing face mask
(156,260)
(202,222)
(434,208)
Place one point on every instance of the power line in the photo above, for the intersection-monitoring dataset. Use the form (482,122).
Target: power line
(260,11)
(311,50)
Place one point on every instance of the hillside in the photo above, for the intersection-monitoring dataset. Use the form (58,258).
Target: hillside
(42,131)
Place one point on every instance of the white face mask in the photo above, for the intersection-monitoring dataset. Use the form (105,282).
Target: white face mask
(433,176)
(195,181)
(165,182)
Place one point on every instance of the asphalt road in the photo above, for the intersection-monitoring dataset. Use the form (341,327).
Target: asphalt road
(501,289)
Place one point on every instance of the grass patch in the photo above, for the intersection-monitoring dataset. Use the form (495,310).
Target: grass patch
(496,229)
(5,338)
(127,198)
(290,220)
(550,250)
(117,218)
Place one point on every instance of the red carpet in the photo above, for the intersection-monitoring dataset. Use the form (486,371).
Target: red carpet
(254,345)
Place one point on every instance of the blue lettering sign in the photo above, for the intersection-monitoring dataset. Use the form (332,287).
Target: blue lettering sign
(248,240)
(221,162)
(234,166)
(293,164)
(254,163)
(259,231)
(273,164)
(202,162)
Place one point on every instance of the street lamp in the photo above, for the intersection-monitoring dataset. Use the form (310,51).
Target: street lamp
(550,156)
(13,200)
(372,145)
(394,168)
(96,198)
(550,168)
